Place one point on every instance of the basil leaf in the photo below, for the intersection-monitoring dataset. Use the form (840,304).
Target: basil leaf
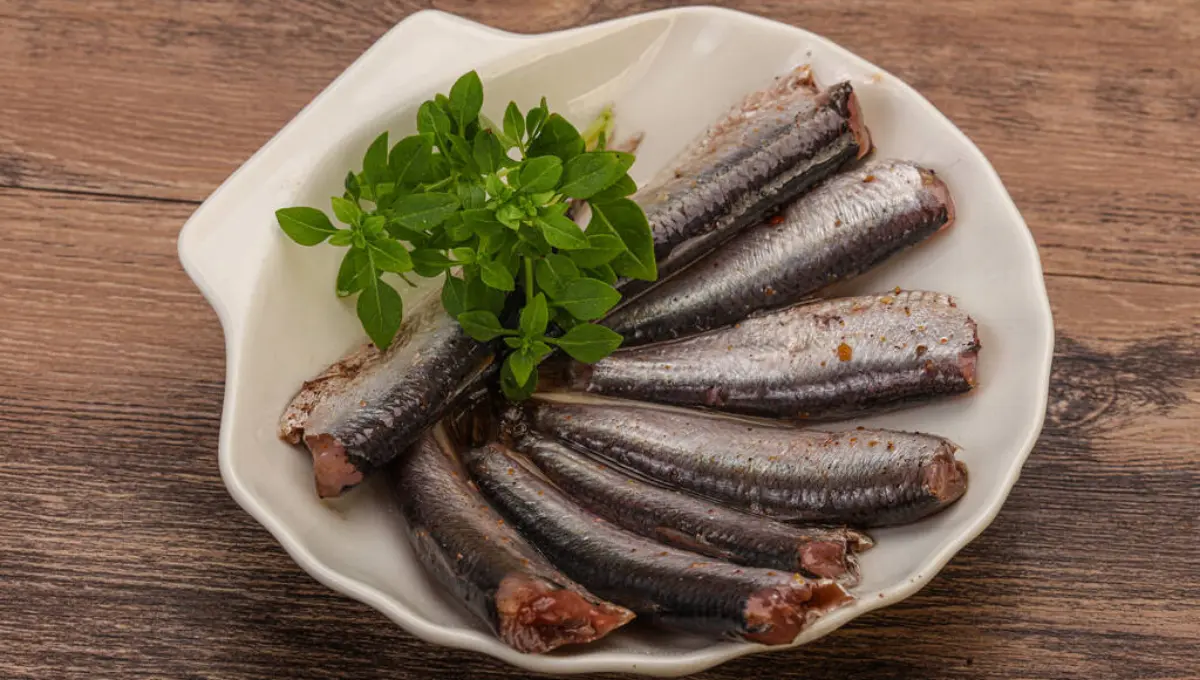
(375,162)
(589,173)
(482,221)
(510,215)
(533,240)
(557,138)
(495,187)
(429,263)
(471,195)
(402,233)
(554,272)
(352,189)
(488,124)
(347,212)
(466,99)
(514,342)
(564,319)
(562,233)
(432,120)
(520,364)
(380,310)
(514,123)
(456,229)
(534,120)
(514,389)
(535,317)
(602,248)
(409,160)
(625,186)
(604,273)
(481,325)
(589,342)
(482,296)
(354,273)
(540,174)
(461,153)
(424,211)
(343,237)
(588,299)
(539,350)
(389,256)
(496,275)
(486,151)
(454,296)
(373,226)
(306,226)
(629,222)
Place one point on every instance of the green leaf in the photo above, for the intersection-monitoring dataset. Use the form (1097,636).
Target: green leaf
(373,226)
(424,211)
(625,186)
(464,255)
(481,325)
(496,275)
(428,262)
(564,319)
(602,248)
(589,173)
(557,138)
(352,189)
(402,233)
(554,272)
(484,297)
(534,120)
(355,272)
(471,194)
(562,233)
(514,122)
(533,242)
(466,99)
(539,350)
(535,317)
(389,256)
(432,120)
(482,222)
(380,310)
(461,153)
(456,229)
(487,150)
(347,212)
(495,187)
(409,160)
(375,162)
(306,226)
(540,174)
(512,388)
(343,237)
(589,342)
(454,296)
(604,273)
(628,221)
(520,364)
(514,342)
(510,215)
(506,142)
(588,299)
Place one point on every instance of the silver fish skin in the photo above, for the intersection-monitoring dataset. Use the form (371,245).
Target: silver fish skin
(498,575)
(365,409)
(828,359)
(864,478)
(686,521)
(775,145)
(663,584)
(845,226)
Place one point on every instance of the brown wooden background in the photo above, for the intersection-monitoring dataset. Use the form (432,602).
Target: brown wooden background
(122,556)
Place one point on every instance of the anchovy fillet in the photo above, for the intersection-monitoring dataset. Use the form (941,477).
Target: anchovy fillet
(860,477)
(775,145)
(847,225)
(496,573)
(688,522)
(363,410)
(665,584)
(832,358)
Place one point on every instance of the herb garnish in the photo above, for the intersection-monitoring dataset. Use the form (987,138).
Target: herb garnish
(486,205)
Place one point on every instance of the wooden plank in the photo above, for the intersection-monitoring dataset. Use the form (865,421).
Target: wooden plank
(121,555)
(1086,109)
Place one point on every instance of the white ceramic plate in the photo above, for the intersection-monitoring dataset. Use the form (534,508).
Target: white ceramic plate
(670,74)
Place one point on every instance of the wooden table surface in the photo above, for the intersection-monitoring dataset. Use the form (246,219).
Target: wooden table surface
(121,555)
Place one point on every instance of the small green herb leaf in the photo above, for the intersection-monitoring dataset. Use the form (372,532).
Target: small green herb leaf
(602,248)
(562,233)
(535,317)
(514,123)
(380,310)
(557,138)
(534,120)
(540,174)
(488,152)
(429,262)
(589,342)
(483,297)
(589,173)
(346,211)
(554,272)
(432,120)
(471,195)
(375,162)
(454,296)
(496,275)
(604,273)
(306,226)
(343,237)
(409,160)
(626,218)
(466,99)
(352,189)
(588,299)
(424,211)
(355,272)
(481,325)
(521,364)
(623,187)
(514,342)
(514,389)
(389,256)
(463,255)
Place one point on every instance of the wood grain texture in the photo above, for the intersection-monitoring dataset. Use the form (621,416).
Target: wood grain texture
(121,555)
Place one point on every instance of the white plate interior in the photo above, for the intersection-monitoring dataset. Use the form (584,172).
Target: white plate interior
(669,74)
